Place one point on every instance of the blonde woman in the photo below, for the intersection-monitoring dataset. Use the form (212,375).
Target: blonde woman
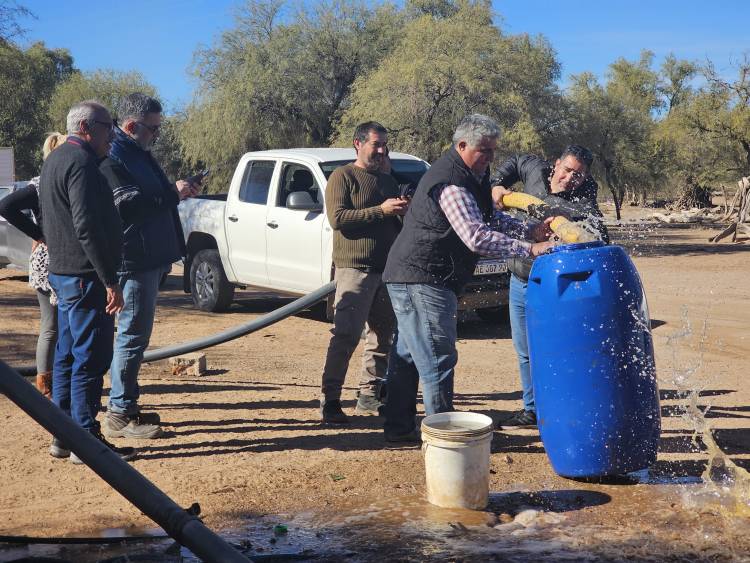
(12,208)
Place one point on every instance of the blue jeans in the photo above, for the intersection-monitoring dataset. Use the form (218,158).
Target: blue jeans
(134,325)
(517,307)
(84,347)
(424,349)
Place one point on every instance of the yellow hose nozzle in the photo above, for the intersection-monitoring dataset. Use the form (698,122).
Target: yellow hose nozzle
(568,231)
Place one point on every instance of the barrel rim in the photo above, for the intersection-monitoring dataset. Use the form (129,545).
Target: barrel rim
(577,246)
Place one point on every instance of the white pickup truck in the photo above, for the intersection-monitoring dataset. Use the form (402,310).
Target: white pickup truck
(271,231)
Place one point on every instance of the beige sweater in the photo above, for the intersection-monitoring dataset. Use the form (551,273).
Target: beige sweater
(363,235)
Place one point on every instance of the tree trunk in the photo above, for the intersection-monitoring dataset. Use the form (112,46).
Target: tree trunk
(616,191)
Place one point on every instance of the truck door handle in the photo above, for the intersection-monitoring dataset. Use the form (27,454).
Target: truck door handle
(233,218)
(272,224)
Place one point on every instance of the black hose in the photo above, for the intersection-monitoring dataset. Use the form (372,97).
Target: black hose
(274,316)
(179,523)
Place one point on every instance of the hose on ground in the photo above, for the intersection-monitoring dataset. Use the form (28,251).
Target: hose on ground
(274,316)
(567,230)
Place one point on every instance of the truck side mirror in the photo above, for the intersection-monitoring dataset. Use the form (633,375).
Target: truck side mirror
(302,201)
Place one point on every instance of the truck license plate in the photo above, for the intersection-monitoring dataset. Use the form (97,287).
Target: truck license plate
(489,267)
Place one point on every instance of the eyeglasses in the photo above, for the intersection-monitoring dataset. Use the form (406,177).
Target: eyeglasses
(108,124)
(153,128)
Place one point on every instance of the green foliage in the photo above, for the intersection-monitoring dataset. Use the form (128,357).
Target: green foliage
(719,116)
(27,81)
(268,84)
(169,153)
(105,86)
(448,67)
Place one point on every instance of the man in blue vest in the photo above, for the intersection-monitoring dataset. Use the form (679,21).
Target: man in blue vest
(446,229)
(152,240)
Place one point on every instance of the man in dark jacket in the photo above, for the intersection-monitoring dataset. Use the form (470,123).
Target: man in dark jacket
(84,237)
(445,230)
(152,240)
(567,190)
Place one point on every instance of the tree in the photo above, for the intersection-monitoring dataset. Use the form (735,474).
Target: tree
(616,122)
(280,81)
(105,86)
(27,81)
(448,66)
(720,115)
(10,12)
(170,154)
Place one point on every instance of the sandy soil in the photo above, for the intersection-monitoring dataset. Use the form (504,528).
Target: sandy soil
(245,440)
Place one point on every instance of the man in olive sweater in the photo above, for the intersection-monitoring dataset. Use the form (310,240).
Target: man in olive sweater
(363,206)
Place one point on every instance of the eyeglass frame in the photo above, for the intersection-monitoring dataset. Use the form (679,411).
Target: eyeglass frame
(153,129)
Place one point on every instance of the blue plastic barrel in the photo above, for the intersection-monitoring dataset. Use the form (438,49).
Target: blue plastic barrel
(592,361)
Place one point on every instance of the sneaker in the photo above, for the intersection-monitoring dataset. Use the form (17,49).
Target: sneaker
(57,449)
(126,453)
(413,437)
(521,419)
(129,426)
(368,404)
(330,411)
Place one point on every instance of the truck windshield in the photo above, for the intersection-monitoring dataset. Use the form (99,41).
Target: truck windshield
(406,172)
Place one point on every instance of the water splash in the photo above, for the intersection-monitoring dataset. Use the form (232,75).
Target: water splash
(725,480)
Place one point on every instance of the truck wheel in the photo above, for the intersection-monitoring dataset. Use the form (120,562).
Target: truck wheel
(494,315)
(209,286)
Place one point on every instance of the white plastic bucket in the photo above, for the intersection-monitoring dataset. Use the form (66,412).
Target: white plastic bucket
(456,449)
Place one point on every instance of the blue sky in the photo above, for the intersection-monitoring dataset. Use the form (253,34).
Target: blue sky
(158,37)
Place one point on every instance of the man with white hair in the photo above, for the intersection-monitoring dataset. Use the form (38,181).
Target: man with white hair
(445,231)
(84,237)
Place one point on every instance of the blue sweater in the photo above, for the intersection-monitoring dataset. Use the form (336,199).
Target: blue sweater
(147,203)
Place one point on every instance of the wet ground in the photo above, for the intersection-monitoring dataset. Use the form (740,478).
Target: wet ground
(245,442)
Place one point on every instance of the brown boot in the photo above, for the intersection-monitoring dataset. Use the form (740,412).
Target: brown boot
(44,384)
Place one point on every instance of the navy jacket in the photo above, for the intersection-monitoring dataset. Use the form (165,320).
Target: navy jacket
(147,203)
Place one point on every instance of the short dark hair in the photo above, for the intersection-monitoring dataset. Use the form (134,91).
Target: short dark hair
(363,130)
(136,106)
(580,153)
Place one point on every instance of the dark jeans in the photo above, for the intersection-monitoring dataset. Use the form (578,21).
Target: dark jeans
(84,347)
(424,349)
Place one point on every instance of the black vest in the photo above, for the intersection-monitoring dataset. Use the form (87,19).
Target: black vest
(428,250)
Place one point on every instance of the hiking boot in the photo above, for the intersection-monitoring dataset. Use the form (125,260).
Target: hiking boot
(149,417)
(126,453)
(57,449)
(330,411)
(413,437)
(368,404)
(521,419)
(129,426)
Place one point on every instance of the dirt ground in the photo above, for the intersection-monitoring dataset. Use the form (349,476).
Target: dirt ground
(245,440)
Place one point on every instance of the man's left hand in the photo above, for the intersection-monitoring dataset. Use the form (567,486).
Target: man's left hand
(186,189)
(497,196)
(542,231)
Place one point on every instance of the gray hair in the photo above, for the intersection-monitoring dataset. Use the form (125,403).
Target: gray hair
(136,106)
(87,111)
(474,128)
